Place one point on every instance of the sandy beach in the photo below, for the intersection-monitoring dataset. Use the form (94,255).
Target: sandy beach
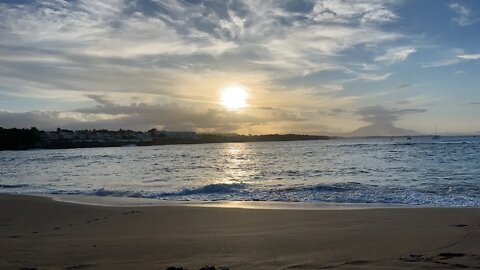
(40,233)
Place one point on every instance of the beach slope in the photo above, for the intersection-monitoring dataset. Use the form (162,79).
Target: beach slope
(39,233)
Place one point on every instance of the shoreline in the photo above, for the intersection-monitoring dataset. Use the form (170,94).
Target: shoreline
(41,233)
(111,201)
(268,205)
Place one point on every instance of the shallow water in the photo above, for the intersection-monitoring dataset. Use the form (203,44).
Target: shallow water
(420,171)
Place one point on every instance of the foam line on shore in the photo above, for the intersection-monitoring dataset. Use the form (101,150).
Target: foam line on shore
(142,202)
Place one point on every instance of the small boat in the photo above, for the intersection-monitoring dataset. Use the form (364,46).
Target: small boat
(435,137)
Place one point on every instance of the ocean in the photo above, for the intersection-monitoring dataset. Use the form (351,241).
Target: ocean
(390,171)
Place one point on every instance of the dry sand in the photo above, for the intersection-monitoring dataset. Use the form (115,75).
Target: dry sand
(39,233)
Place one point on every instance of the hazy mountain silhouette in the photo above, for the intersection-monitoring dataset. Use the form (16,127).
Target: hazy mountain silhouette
(383,129)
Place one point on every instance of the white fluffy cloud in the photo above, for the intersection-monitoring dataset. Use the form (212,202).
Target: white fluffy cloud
(470,56)
(394,55)
(299,42)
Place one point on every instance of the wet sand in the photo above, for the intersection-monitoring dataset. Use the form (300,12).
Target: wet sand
(39,233)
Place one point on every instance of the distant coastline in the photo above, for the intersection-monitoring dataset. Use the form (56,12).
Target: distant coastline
(24,139)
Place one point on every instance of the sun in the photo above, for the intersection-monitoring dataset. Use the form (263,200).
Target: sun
(234,97)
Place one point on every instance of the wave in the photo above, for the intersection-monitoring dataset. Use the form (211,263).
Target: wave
(346,192)
(336,187)
(209,189)
(13,185)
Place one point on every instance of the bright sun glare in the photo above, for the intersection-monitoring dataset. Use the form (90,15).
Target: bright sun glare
(234,97)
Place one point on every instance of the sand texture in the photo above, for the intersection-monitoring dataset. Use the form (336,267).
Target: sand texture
(39,233)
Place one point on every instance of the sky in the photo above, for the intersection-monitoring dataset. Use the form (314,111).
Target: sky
(308,66)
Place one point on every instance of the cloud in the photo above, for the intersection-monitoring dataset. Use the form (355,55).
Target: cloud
(362,11)
(453,57)
(102,99)
(290,34)
(442,63)
(403,86)
(334,112)
(378,115)
(183,52)
(142,116)
(464,16)
(373,77)
(49,120)
(298,6)
(470,56)
(394,55)
(403,102)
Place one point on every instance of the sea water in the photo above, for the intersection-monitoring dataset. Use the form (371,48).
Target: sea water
(416,171)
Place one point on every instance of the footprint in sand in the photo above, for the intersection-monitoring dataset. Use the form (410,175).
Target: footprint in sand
(358,262)
(449,255)
(202,268)
(413,258)
(132,212)
(213,268)
(441,258)
(78,266)
(95,219)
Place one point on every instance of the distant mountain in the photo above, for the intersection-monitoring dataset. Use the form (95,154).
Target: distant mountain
(381,130)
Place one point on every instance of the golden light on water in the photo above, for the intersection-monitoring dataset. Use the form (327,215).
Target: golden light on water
(234,97)
(236,161)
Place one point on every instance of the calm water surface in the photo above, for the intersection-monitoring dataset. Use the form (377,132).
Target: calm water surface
(420,171)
